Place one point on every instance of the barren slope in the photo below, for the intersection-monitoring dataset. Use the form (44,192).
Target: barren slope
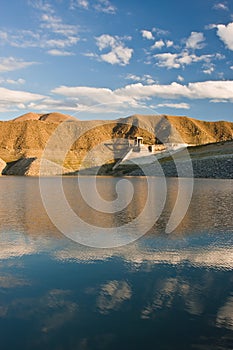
(28,135)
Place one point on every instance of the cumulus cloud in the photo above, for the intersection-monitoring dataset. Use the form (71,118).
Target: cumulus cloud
(158,44)
(169,43)
(8,64)
(117,52)
(197,90)
(175,60)
(136,94)
(168,60)
(105,100)
(147,34)
(174,105)
(195,41)
(225,33)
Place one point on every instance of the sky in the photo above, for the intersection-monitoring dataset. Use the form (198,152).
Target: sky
(104,59)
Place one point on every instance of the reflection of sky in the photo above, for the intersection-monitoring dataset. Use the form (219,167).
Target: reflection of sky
(51,310)
(112,295)
(159,250)
(77,287)
(8,281)
(225,314)
(165,297)
(50,282)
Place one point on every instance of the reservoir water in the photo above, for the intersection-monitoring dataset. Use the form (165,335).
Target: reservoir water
(162,291)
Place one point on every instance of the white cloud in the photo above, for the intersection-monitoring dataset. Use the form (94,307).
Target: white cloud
(218,100)
(19,81)
(104,6)
(219,56)
(83,3)
(41,6)
(89,96)
(195,41)
(52,32)
(16,97)
(158,44)
(146,78)
(168,60)
(175,60)
(209,68)
(133,77)
(225,33)
(160,31)
(210,26)
(8,64)
(56,52)
(90,54)
(198,90)
(20,38)
(61,43)
(104,100)
(231,67)
(56,25)
(105,41)
(174,105)
(220,6)
(147,34)
(50,104)
(180,78)
(135,95)
(169,43)
(118,54)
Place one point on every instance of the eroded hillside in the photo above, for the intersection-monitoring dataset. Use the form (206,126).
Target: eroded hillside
(28,135)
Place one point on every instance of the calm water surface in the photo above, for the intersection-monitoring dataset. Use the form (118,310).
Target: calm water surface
(164,291)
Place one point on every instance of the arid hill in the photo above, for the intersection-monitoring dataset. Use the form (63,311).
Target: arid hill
(27,136)
(54,117)
(182,129)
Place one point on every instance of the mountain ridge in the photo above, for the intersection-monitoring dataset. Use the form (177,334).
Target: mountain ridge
(27,135)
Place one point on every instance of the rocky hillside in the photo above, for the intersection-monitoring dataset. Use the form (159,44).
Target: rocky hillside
(27,135)
(49,117)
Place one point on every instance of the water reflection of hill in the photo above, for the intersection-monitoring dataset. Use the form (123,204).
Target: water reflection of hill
(22,210)
(178,283)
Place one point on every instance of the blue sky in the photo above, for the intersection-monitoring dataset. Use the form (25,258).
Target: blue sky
(103,59)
